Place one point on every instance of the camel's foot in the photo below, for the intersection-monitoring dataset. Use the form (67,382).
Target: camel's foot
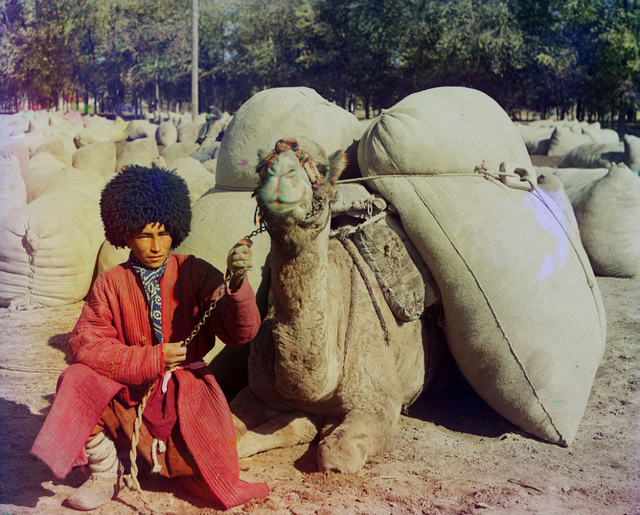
(341,455)
(282,431)
(346,444)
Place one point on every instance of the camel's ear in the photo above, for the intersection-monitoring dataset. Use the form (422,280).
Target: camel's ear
(262,153)
(337,163)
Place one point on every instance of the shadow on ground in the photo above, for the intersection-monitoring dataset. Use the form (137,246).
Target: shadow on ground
(450,401)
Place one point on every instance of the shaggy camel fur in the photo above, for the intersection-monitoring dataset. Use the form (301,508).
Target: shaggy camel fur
(321,361)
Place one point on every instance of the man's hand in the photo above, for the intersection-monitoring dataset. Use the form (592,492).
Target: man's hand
(174,354)
(239,262)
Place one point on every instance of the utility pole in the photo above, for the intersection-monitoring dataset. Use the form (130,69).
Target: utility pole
(194,60)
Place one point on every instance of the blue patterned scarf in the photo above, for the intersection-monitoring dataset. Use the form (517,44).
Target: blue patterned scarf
(150,278)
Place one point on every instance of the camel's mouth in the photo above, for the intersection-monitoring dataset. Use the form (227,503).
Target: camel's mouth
(316,211)
(282,207)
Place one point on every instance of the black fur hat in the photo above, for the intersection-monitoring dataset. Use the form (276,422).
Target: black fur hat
(138,196)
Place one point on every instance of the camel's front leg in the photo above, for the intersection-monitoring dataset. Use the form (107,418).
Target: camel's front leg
(260,428)
(346,444)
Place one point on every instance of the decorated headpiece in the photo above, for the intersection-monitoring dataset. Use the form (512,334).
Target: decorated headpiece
(290,144)
(138,196)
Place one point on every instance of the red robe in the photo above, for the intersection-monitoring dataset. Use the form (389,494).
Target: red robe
(114,355)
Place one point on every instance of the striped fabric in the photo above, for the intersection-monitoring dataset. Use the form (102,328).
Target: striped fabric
(116,354)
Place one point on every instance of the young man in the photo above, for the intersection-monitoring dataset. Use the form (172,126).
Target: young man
(130,335)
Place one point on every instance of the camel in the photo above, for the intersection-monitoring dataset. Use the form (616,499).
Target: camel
(326,360)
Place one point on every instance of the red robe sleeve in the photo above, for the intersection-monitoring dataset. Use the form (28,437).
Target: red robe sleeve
(236,318)
(97,342)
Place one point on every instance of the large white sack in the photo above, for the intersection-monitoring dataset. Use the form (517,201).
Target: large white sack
(220,219)
(574,180)
(141,129)
(166,134)
(593,155)
(110,256)
(552,186)
(39,173)
(118,130)
(15,125)
(632,152)
(211,165)
(16,147)
(198,178)
(68,129)
(141,152)
(60,147)
(564,139)
(98,157)
(607,208)
(38,121)
(274,114)
(442,130)
(536,138)
(48,249)
(523,313)
(600,135)
(92,134)
(13,192)
(178,150)
(188,133)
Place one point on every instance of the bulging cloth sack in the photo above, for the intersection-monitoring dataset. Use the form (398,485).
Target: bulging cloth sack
(523,313)
(606,203)
(275,114)
(48,248)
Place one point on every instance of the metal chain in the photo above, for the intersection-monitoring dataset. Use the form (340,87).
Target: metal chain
(218,294)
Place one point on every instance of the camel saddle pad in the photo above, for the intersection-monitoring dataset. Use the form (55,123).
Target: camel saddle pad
(399,278)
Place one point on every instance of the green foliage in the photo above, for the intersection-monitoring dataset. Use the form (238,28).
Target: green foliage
(566,56)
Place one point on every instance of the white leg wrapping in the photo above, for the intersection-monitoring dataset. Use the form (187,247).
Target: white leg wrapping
(102,456)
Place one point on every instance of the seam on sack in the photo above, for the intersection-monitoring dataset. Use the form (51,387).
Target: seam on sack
(511,349)
(536,192)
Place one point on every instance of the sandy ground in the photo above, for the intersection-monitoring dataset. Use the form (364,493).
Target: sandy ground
(453,454)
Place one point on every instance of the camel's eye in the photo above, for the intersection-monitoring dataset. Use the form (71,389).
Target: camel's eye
(291,172)
(271,171)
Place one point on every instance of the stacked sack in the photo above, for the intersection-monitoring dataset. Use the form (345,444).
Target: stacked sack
(48,247)
(606,204)
(226,213)
(523,313)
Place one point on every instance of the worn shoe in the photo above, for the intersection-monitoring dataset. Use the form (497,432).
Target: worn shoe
(96,491)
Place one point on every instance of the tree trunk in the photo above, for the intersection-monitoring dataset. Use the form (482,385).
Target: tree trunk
(194,60)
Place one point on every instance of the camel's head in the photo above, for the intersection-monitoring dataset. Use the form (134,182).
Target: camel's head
(296,188)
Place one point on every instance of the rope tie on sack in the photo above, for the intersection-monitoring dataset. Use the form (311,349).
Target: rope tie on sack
(517,177)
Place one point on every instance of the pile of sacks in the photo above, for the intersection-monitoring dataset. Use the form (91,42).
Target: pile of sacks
(597,182)
(523,315)
(52,170)
(580,144)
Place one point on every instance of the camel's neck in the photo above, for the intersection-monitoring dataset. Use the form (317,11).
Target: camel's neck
(304,336)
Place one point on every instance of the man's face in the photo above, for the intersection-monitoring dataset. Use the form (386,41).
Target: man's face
(151,245)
